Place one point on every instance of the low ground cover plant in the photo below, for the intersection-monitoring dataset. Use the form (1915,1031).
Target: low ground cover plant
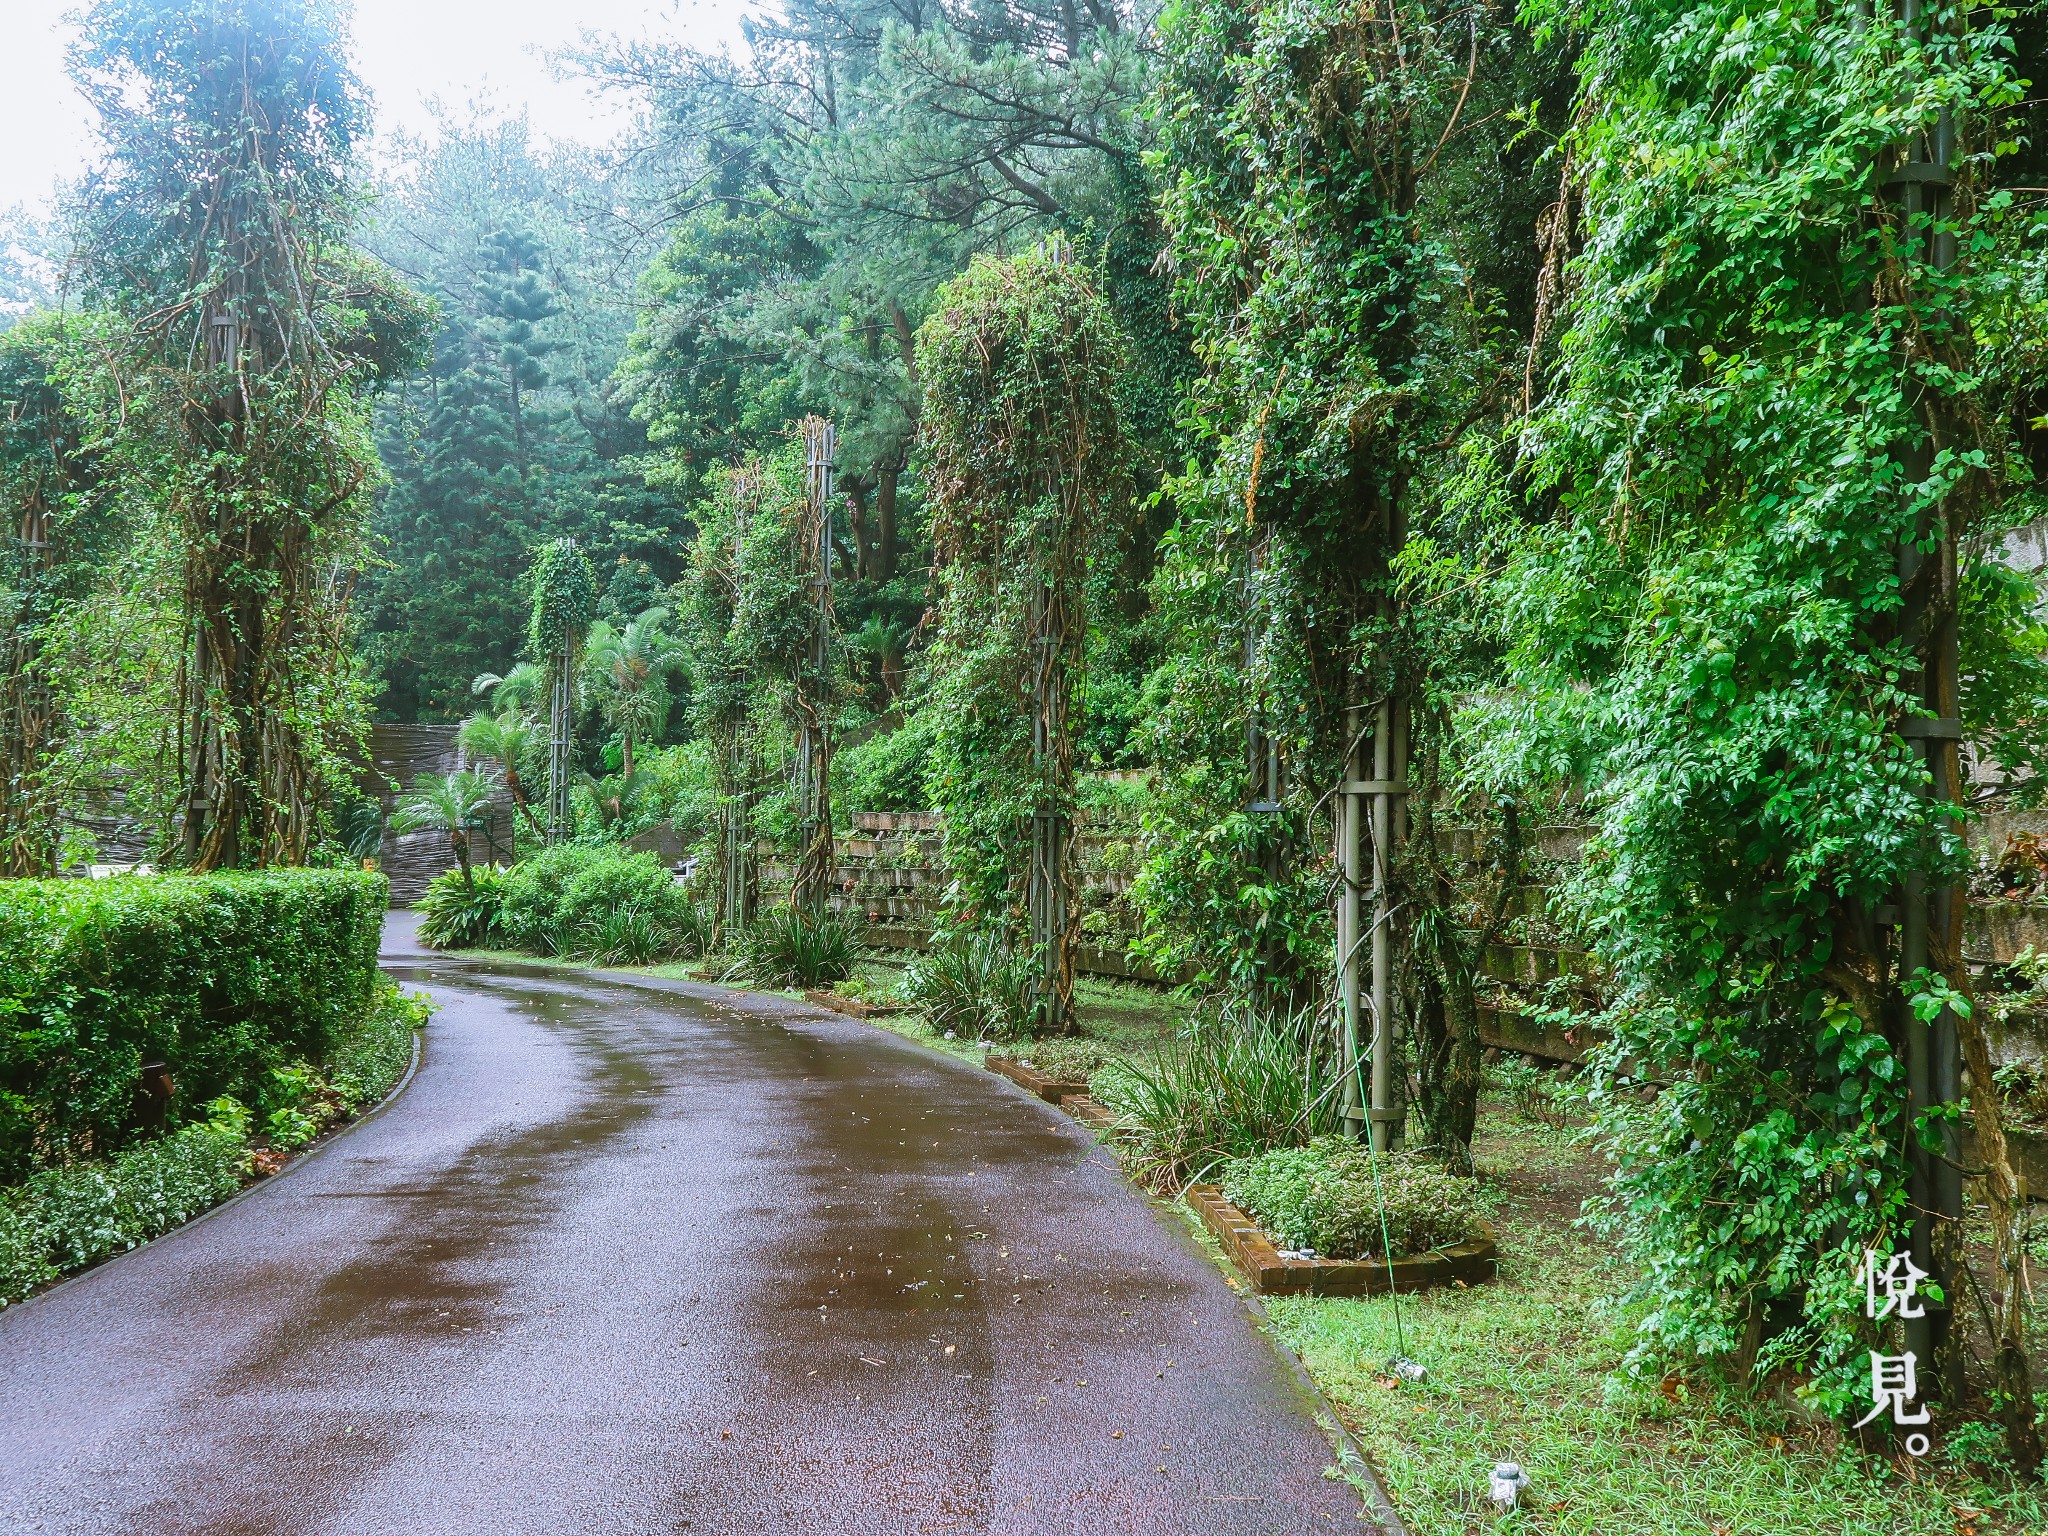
(1069,1058)
(223,978)
(76,1214)
(1336,1197)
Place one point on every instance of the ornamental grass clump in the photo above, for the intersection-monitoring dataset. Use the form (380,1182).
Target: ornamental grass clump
(1234,1084)
(974,985)
(791,948)
(1328,1197)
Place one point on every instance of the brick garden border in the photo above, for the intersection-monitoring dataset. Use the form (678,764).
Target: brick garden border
(1270,1275)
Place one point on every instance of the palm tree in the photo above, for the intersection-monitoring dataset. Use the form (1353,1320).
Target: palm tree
(630,669)
(886,645)
(520,689)
(453,804)
(507,739)
(611,798)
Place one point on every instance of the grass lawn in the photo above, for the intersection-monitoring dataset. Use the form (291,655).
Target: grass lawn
(1522,1370)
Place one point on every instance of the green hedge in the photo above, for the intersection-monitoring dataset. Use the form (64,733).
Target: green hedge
(224,977)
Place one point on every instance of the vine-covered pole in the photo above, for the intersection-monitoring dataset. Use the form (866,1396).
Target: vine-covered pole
(1921,186)
(1024,457)
(564,603)
(1371,804)
(812,693)
(1050,878)
(1350,815)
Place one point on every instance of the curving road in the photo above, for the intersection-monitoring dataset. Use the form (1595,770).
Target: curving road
(636,1256)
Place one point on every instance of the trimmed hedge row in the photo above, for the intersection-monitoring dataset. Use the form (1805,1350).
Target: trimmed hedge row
(67,1218)
(223,977)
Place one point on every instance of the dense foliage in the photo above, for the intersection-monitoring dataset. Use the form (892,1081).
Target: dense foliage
(1573,392)
(1337,1200)
(593,901)
(220,977)
(1026,463)
(67,1217)
(1711,632)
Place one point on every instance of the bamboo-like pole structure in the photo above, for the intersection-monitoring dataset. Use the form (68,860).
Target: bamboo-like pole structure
(814,725)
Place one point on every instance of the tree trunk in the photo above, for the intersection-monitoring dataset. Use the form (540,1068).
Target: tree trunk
(857,488)
(885,519)
(518,793)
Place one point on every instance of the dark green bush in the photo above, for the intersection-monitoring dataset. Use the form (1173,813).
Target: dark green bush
(787,948)
(974,985)
(223,977)
(462,914)
(1328,1196)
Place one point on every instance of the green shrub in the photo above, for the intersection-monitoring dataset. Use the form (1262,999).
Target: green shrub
(368,1061)
(788,948)
(1328,1196)
(973,985)
(462,914)
(534,887)
(886,772)
(600,901)
(1070,1059)
(223,977)
(1231,1085)
(65,1218)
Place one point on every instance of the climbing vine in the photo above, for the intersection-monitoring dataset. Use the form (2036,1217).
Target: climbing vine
(1024,461)
(1706,619)
(217,228)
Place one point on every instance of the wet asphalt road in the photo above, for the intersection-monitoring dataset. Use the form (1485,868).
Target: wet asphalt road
(644,1257)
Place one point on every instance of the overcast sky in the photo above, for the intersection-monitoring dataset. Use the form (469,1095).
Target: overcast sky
(407,51)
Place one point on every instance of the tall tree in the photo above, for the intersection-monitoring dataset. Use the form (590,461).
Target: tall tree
(514,434)
(217,222)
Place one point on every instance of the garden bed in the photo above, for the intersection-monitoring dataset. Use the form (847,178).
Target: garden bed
(1046,1086)
(1268,1273)
(852,1007)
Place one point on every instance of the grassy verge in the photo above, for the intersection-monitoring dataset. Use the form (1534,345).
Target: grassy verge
(1523,1370)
